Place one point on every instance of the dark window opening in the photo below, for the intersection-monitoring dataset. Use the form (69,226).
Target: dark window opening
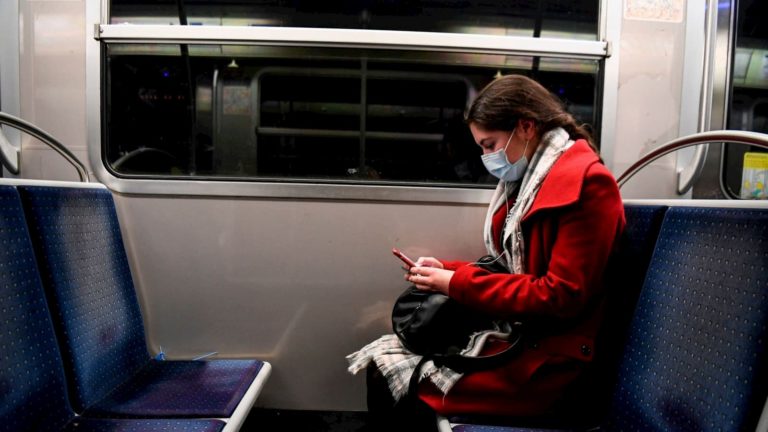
(299,114)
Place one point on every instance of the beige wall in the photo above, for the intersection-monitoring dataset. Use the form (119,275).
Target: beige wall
(649,95)
(52,83)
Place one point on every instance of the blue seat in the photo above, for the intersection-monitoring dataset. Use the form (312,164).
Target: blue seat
(695,358)
(624,280)
(491,428)
(85,272)
(137,425)
(586,402)
(33,395)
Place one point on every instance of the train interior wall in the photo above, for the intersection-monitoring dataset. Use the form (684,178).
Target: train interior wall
(300,283)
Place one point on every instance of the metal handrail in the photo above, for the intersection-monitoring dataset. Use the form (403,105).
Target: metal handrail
(724,136)
(45,137)
(10,156)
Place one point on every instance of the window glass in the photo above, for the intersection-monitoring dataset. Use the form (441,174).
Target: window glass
(573,19)
(292,114)
(745,172)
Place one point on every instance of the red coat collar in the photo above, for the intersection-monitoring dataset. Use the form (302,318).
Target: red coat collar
(562,186)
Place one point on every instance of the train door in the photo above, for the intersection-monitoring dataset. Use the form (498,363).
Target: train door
(739,102)
(744,171)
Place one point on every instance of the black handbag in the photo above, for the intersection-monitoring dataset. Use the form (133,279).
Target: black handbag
(437,327)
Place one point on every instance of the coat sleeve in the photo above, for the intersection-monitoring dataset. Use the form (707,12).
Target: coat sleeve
(453,265)
(582,240)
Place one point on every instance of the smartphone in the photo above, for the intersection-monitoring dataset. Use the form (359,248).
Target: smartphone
(409,262)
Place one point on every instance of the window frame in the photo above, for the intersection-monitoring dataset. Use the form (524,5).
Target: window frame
(97,11)
(728,37)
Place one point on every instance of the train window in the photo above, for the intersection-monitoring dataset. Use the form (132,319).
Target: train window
(546,18)
(745,169)
(301,113)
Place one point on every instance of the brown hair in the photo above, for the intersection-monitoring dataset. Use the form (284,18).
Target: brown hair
(510,98)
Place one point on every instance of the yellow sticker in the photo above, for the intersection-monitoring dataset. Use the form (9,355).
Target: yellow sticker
(756,160)
(754,176)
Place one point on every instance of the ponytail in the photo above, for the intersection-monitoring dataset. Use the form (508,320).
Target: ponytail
(575,130)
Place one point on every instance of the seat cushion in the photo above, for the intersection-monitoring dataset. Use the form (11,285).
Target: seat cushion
(131,425)
(180,389)
(487,428)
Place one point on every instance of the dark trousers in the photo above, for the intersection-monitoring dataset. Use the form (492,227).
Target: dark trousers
(384,414)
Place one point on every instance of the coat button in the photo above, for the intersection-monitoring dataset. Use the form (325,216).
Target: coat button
(586,350)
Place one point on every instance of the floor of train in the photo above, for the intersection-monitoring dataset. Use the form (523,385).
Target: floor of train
(268,420)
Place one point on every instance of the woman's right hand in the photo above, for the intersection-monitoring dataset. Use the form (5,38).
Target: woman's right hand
(429,262)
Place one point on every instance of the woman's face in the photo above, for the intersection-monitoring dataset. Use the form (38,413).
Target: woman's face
(494,140)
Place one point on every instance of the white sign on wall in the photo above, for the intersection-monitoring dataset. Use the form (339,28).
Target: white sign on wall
(654,10)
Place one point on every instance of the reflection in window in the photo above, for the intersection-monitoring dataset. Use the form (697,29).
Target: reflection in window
(745,172)
(572,19)
(292,114)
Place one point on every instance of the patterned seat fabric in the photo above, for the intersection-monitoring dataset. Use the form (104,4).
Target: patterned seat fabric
(85,272)
(124,425)
(696,357)
(33,394)
(181,389)
(624,281)
(88,281)
(487,428)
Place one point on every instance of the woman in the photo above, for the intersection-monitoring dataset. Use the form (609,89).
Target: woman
(553,221)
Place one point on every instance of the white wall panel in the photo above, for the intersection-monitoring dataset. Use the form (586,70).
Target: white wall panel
(9,67)
(298,283)
(52,82)
(649,97)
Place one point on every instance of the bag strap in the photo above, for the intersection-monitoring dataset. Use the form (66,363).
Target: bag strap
(413,383)
(461,363)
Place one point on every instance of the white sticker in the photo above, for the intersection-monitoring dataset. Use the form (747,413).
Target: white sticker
(654,10)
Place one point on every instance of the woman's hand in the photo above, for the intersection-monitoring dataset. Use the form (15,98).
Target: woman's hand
(429,262)
(430,278)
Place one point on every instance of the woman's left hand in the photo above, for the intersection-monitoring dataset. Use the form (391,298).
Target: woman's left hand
(430,278)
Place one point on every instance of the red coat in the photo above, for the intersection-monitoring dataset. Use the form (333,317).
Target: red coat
(570,231)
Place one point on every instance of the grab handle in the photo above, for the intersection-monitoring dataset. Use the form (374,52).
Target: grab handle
(9,155)
(12,162)
(726,136)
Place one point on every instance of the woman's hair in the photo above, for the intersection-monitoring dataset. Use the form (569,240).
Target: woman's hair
(514,97)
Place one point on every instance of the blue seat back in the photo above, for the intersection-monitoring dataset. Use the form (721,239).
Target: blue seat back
(85,272)
(626,273)
(32,386)
(696,354)
(587,401)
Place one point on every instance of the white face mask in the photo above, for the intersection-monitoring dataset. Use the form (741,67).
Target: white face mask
(499,166)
